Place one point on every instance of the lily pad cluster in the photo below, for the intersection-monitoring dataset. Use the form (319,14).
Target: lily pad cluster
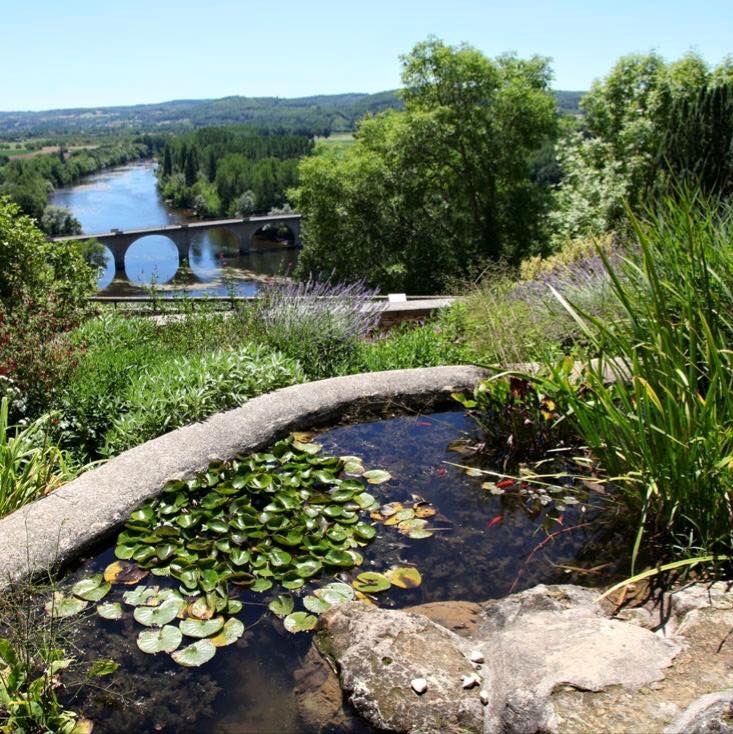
(409,519)
(279,517)
(282,516)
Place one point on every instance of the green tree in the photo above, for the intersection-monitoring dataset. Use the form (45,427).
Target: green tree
(191,167)
(424,194)
(647,125)
(167,161)
(33,268)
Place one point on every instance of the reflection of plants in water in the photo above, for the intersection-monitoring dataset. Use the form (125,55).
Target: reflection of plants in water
(283,516)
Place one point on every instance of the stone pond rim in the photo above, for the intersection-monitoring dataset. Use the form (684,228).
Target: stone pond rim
(57,529)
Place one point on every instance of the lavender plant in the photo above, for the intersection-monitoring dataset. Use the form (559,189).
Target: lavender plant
(318,323)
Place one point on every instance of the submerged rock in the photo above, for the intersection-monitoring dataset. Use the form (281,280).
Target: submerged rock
(552,661)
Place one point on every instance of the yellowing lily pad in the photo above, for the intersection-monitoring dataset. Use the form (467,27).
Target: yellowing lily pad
(123,572)
(371,582)
(232,630)
(401,516)
(404,577)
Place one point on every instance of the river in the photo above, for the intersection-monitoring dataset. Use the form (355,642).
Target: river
(127,198)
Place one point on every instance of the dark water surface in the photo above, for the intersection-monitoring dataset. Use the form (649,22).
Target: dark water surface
(127,198)
(248,686)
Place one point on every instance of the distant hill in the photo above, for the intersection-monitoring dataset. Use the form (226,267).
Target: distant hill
(318,114)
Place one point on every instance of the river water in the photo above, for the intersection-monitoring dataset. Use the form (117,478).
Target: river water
(127,198)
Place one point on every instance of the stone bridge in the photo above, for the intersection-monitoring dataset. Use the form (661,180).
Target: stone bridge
(181,235)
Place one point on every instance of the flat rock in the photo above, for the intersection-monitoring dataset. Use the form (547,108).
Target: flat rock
(460,617)
(378,653)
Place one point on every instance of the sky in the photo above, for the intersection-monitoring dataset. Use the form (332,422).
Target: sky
(83,53)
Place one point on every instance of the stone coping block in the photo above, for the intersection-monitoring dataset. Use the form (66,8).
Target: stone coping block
(57,529)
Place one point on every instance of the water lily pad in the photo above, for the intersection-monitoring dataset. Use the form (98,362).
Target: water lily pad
(160,615)
(364,531)
(232,630)
(234,606)
(316,605)
(300,622)
(261,585)
(201,627)
(371,582)
(282,605)
(124,572)
(415,529)
(91,589)
(165,639)
(306,569)
(338,558)
(62,606)
(377,476)
(307,448)
(110,610)
(196,654)
(405,577)
(140,595)
(354,468)
(365,500)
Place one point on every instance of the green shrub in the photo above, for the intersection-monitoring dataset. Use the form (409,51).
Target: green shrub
(174,393)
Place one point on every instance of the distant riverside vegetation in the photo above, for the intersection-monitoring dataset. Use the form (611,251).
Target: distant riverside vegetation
(321,114)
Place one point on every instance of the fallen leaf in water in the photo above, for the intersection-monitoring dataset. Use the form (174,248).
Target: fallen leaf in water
(495,520)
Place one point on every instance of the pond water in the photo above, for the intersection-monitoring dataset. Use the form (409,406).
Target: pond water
(127,198)
(472,555)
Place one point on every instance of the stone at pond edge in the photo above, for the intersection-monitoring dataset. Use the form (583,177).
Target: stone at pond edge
(378,652)
(532,642)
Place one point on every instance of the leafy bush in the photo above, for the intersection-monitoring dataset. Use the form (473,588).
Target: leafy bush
(664,426)
(30,466)
(174,393)
(318,324)
(36,354)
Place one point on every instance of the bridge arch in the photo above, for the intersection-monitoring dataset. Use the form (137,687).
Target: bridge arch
(152,258)
(273,235)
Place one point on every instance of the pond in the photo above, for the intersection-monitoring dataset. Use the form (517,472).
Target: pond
(479,546)
(126,198)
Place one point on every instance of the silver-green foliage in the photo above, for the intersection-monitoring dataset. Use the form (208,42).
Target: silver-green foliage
(175,393)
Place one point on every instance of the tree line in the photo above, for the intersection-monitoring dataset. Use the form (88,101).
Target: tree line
(482,166)
(234,171)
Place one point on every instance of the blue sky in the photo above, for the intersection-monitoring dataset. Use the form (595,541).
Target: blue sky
(68,53)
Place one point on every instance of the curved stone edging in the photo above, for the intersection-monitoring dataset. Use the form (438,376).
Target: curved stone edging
(58,528)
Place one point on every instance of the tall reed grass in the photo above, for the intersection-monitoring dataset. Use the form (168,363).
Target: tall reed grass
(664,427)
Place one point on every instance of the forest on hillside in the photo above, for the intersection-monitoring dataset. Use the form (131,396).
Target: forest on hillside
(322,114)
